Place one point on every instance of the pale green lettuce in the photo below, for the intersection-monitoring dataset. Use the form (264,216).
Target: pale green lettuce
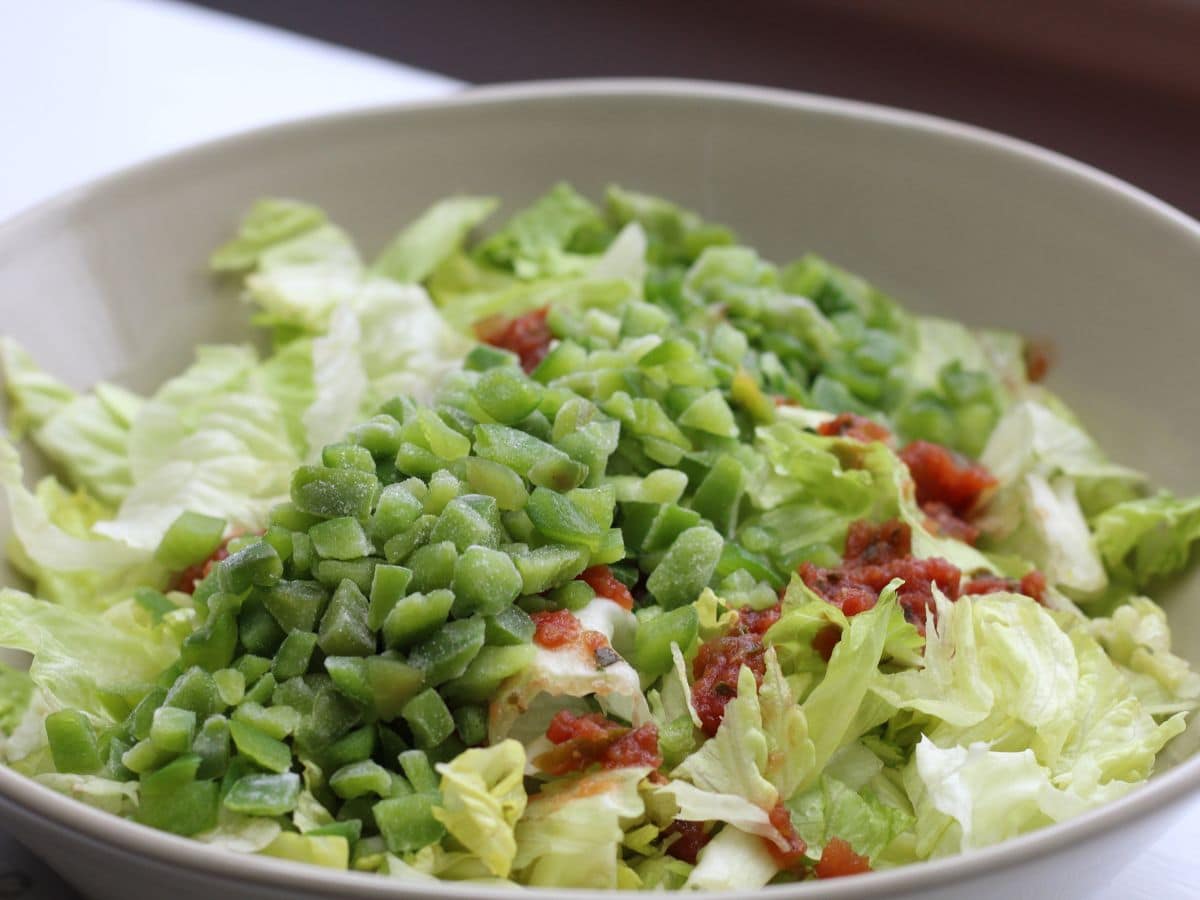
(571,831)
(483,796)
(432,238)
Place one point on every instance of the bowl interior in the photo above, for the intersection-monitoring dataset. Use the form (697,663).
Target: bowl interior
(110,282)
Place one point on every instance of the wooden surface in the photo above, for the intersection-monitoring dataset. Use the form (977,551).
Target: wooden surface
(1115,83)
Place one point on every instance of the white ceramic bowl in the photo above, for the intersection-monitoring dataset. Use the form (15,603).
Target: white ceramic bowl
(109,281)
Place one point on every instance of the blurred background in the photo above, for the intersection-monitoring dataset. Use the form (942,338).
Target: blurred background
(1112,82)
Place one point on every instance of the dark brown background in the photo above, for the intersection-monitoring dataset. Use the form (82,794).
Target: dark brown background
(1113,82)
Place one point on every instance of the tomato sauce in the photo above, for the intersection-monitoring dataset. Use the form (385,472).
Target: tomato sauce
(1039,358)
(555,629)
(838,859)
(528,336)
(582,741)
(851,425)
(948,487)
(759,621)
(193,575)
(716,669)
(793,855)
(1032,584)
(606,585)
(692,838)
(875,554)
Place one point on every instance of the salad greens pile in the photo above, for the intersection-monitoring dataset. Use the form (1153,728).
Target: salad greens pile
(599,552)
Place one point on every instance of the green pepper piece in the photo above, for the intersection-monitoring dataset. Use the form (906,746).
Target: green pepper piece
(348,456)
(467,520)
(507,395)
(485,476)
(388,586)
(172,800)
(359,779)
(407,823)
(212,746)
(190,539)
(395,512)
(546,567)
(508,627)
(265,751)
(419,771)
(471,724)
(429,718)
(264,795)
(350,830)
(560,520)
(340,538)
(296,605)
(212,645)
(139,720)
(252,667)
(433,566)
(449,651)
(276,721)
(330,493)
(196,690)
(72,741)
(257,628)
(687,567)
(399,547)
(173,729)
(652,646)
(332,572)
(294,656)
(344,630)
(379,435)
(262,691)
(490,667)
(255,564)
(354,747)
(393,683)
(720,494)
(349,674)
(485,581)
(415,617)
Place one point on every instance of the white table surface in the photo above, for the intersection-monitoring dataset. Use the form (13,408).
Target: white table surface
(87,86)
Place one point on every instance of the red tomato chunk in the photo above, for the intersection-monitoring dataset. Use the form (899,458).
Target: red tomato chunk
(692,839)
(528,336)
(716,669)
(1032,584)
(582,741)
(875,554)
(605,584)
(1039,358)
(860,428)
(793,855)
(555,629)
(838,859)
(948,488)
(193,575)
(759,621)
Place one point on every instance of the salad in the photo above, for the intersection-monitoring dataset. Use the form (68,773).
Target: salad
(599,552)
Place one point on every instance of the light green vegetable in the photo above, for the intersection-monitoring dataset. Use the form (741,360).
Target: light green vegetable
(510,553)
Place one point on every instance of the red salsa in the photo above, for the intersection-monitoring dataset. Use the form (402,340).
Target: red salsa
(193,575)
(716,669)
(851,425)
(605,584)
(875,554)
(692,838)
(555,629)
(582,741)
(838,859)
(792,855)
(948,487)
(528,335)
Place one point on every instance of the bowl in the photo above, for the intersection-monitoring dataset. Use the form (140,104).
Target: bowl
(109,281)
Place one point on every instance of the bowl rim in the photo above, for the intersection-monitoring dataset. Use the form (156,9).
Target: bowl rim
(111,831)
